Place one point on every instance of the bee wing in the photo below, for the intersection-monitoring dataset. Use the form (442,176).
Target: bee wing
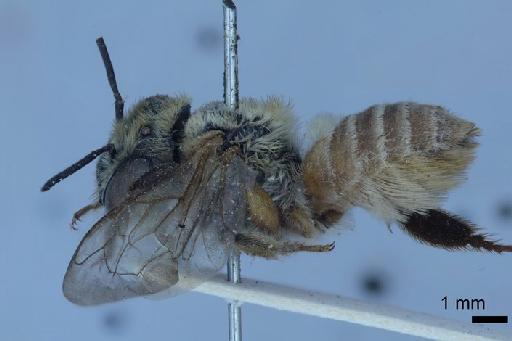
(181,225)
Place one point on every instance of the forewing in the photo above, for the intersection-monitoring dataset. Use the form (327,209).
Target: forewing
(169,236)
(220,213)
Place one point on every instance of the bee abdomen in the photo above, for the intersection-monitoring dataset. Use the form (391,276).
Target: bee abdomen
(385,132)
(390,158)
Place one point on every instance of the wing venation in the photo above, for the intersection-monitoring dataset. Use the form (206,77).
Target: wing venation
(174,226)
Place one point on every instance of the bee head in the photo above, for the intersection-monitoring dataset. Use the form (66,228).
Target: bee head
(148,136)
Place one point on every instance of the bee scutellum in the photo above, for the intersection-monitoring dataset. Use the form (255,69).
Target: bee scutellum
(181,189)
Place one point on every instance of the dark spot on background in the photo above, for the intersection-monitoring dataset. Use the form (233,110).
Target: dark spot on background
(374,283)
(504,210)
(209,39)
(115,321)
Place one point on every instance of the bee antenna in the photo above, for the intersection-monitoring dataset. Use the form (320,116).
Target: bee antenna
(111,76)
(77,166)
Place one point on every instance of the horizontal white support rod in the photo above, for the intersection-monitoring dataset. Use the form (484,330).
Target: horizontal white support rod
(349,310)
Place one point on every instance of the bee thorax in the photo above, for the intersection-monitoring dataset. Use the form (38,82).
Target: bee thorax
(262,132)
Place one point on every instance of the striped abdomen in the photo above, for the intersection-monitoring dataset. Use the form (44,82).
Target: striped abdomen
(392,159)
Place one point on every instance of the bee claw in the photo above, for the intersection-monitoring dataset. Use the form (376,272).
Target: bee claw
(332,246)
(73,223)
(81,212)
(322,248)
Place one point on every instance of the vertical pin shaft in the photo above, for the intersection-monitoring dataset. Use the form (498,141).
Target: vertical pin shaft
(234,308)
(231,99)
(230,56)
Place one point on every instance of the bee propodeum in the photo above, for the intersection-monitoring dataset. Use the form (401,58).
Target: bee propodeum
(182,190)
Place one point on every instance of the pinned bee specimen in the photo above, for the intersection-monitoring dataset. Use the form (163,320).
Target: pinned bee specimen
(181,190)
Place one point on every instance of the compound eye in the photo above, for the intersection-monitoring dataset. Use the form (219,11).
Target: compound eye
(145,131)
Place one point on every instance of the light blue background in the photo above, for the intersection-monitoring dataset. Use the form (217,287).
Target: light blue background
(336,56)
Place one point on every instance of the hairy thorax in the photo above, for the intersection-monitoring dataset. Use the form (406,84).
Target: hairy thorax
(263,133)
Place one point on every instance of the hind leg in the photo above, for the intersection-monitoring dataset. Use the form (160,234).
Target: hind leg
(442,229)
(263,246)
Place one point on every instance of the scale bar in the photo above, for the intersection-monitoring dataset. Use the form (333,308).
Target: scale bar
(489,319)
